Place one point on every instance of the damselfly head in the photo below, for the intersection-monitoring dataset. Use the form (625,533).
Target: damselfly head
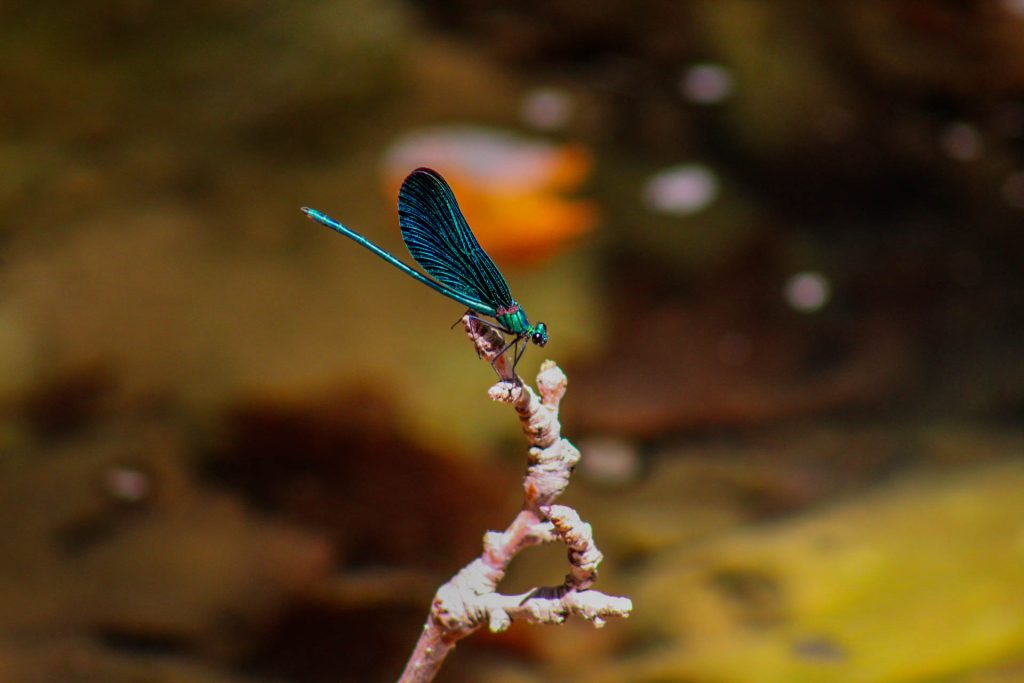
(540,334)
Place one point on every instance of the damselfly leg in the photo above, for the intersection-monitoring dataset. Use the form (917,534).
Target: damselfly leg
(517,354)
(486,323)
(517,338)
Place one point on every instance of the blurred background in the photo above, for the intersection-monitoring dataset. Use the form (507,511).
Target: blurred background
(778,247)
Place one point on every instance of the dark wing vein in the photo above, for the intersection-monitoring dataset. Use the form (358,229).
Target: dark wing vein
(437,235)
(439,239)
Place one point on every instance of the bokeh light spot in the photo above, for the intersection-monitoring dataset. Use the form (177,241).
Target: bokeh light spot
(547,108)
(961,141)
(706,83)
(807,292)
(1013,190)
(127,484)
(1015,8)
(681,190)
(610,460)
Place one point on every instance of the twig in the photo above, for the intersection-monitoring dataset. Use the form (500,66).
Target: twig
(470,598)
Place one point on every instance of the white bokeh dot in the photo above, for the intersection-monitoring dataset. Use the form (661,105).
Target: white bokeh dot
(706,83)
(807,292)
(610,460)
(681,190)
(547,108)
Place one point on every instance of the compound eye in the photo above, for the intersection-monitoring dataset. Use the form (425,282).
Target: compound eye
(537,339)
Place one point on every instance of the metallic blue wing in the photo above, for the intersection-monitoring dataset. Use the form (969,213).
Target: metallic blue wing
(439,239)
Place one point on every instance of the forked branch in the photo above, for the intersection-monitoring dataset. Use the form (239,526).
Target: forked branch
(470,599)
